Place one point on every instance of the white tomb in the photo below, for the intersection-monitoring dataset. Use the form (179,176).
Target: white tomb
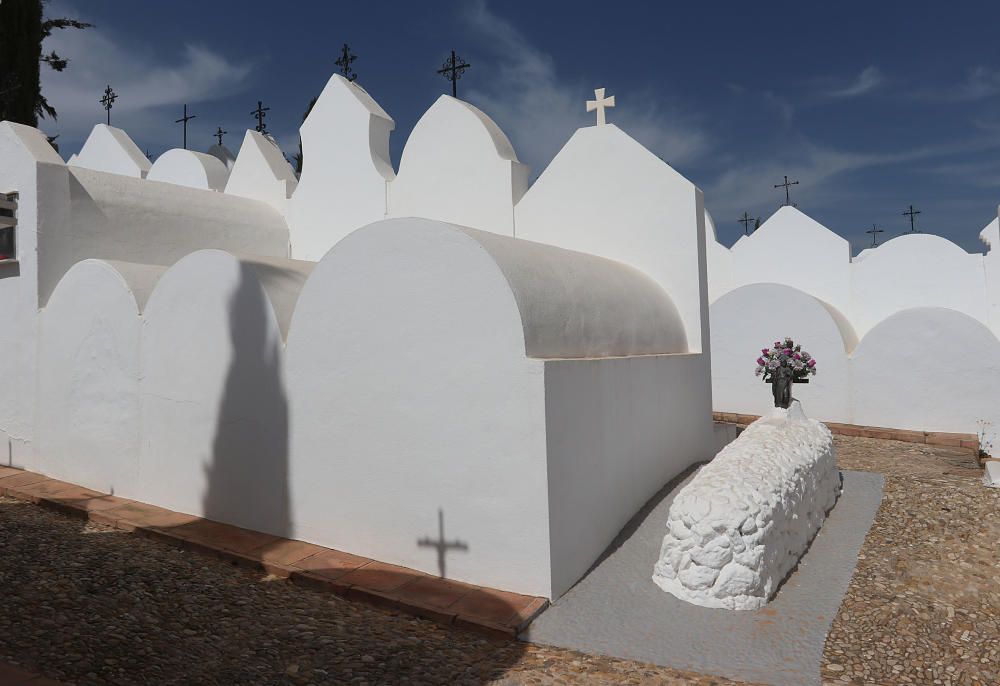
(345,176)
(738,528)
(189,168)
(459,167)
(110,150)
(261,172)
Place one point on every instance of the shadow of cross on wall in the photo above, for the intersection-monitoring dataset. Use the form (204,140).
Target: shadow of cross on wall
(442,544)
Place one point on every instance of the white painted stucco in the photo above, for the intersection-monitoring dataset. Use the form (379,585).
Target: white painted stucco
(214,413)
(111,150)
(459,167)
(115,217)
(30,167)
(88,380)
(606,195)
(753,317)
(793,249)
(742,523)
(223,154)
(929,369)
(345,175)
(391,424)
(189,168)
(916,270)
(262,173)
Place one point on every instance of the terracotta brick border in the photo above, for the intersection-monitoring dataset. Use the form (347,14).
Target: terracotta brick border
(497,613)
(969,442)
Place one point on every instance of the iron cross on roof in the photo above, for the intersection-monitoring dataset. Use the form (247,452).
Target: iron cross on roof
(452,70)
(344,62)
(185,119)
(745,220)
(108,100)
(785,185)
(259,113)
(912,213)
(875,231)
(219,133)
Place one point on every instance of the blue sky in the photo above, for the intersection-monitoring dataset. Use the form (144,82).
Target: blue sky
(871,106)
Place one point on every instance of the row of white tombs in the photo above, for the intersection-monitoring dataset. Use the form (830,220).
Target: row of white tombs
(532,385)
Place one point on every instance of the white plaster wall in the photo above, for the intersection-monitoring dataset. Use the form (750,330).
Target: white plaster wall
(793,249)
(133,220)
(617,430)
(111,150)
(262,173)
(214,412)
(928,369)
(990,236)
(189,168)
(29,166)
(719,262)
(753,317)
(916,270)
(606,195)
(88,381)
(578,305)
(346,166)
(459,167)
(410,393)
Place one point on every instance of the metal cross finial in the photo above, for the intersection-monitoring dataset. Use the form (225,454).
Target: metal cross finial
(875,231)
(599,104)
(219,133)
(452,70)
(108,100)
(912,213)
(259,113)
(185,119)
(441,544)
(344,62)
(785,185)
(745,220)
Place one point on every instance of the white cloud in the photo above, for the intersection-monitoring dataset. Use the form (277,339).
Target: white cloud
(868,80)
(539,111)
(143,80)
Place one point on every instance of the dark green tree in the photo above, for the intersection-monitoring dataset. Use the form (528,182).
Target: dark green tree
(23,28)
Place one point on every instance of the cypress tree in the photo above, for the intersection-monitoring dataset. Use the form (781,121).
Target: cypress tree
(23,28)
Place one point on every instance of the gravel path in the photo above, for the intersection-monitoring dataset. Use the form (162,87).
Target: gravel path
(88,605)
(923,606)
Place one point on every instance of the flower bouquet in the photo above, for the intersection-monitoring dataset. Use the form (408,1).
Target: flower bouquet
(786,353)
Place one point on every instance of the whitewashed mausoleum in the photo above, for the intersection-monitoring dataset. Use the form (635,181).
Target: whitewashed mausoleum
(363,355)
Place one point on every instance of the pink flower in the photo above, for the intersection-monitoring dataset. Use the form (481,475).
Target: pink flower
(760,360)
(811,363)
(797,356)
(765,351)
(786,351)
(777,344)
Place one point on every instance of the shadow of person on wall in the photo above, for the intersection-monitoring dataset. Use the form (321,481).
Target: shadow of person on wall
(248,472)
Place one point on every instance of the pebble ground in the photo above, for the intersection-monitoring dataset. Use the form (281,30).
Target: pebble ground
(89,605)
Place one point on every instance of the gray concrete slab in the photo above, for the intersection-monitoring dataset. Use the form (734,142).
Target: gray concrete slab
(617,610)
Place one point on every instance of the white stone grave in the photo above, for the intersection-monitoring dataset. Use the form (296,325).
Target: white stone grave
(740,526)
(189,168)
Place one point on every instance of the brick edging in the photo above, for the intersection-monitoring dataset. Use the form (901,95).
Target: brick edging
(500,613)
(940,438)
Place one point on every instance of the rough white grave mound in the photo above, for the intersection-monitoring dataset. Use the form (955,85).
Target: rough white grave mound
(742,523)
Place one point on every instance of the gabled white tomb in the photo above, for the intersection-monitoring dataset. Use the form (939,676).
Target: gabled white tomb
(346,169)
(109,149)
